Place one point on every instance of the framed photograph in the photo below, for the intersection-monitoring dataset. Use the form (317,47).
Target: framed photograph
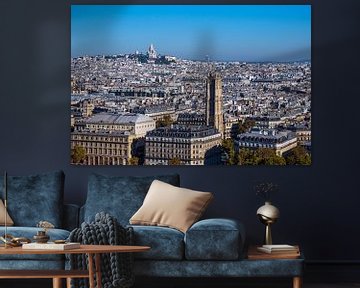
(191,85)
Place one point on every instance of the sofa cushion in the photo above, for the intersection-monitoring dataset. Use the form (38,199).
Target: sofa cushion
(170,206)
(35,198)
(119,196)
(214,239)
(9,221)
(165,243)
(29,232)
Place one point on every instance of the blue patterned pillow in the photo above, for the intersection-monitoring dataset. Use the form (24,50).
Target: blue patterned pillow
(119,196)
(35,198)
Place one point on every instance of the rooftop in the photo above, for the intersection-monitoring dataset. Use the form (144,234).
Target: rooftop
(180,131)
(123,118)
(101,133)
(267,136)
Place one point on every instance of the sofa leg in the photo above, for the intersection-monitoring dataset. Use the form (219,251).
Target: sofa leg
(57,283)
(297,282)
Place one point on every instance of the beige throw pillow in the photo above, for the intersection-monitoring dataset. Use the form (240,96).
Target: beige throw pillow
(9,221)
(170,206)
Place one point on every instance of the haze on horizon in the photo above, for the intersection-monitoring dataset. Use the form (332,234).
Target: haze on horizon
(251,33)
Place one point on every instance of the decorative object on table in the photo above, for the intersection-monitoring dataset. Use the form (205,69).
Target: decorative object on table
(116,268)
(41,236)
(59,241)
(268,213)
(11,241)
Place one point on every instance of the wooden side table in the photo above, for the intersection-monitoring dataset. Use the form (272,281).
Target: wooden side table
(93,251)
(254,254)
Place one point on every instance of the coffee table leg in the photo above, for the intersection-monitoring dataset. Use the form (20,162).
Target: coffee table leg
(297,282)
(91,270)
(98,270)
(57,283)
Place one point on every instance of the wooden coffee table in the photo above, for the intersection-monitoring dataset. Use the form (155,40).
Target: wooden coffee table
(92,251)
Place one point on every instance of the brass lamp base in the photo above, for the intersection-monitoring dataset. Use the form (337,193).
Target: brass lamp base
(268,238)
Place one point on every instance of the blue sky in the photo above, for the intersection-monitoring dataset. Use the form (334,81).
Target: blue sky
(223,32)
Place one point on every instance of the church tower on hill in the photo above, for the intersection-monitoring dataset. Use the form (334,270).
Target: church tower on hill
(152,54)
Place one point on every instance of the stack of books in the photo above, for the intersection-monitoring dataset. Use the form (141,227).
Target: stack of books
(279,249)
(266,252)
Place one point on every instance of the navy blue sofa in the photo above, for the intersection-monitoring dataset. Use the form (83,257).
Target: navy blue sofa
(210,248)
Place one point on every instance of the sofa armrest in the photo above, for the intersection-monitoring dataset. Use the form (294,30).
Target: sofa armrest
(215,239)
(71,216)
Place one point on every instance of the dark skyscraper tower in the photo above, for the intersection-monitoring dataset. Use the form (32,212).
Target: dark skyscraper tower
(214,99)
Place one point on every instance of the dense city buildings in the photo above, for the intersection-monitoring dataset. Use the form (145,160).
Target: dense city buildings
(152,103)
(191,119)
(191,143)
(157,112)
(108,139)
(104,147)
(136,124)
(280,141)
(182,145)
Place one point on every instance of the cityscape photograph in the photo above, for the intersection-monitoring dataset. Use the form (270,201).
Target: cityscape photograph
(190,85)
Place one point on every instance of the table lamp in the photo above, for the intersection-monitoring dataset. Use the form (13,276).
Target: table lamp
(268,214)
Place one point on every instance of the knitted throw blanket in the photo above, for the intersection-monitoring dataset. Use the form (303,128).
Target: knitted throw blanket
(116,268)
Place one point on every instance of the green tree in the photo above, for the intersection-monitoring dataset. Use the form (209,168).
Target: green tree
(267,156)
(164,122)
(78,154)
(261,156)
(245,126)
(246,157)
(298,156)
(229,148)
(175,161)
